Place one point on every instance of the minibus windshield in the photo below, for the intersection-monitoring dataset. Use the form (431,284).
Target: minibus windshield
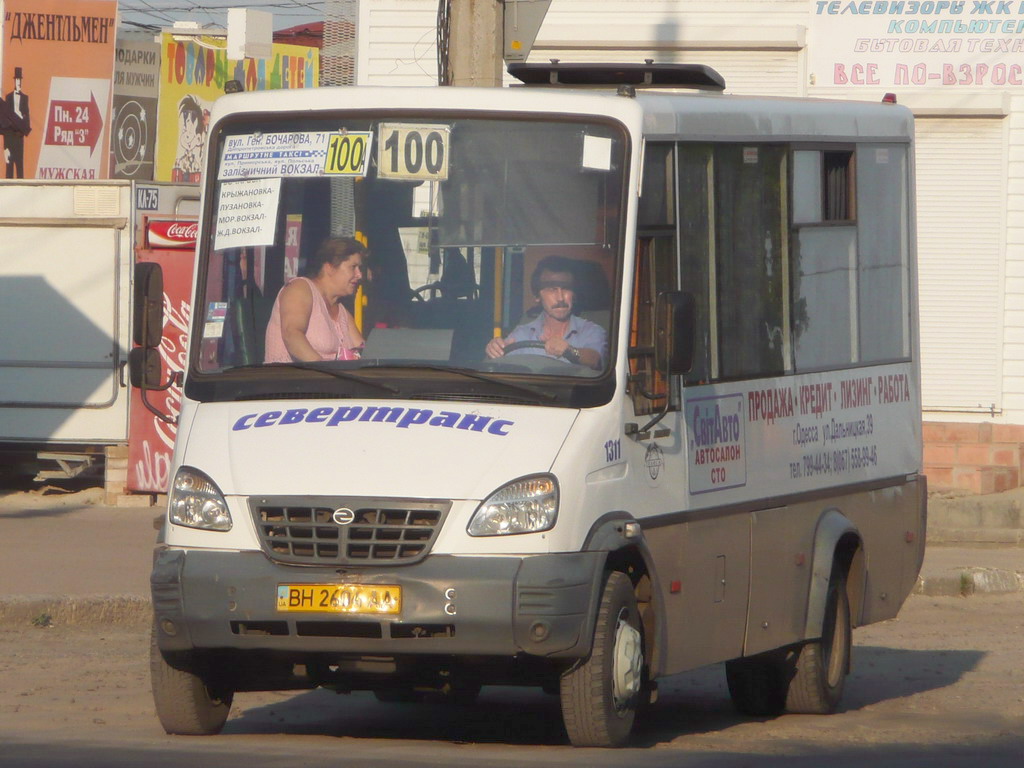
(351,241)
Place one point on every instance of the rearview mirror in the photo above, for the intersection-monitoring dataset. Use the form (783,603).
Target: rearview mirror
(148,308)
(144,368)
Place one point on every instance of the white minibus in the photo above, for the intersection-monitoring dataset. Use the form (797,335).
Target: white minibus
(625,382)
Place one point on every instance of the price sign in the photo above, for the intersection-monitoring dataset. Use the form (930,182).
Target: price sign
(413,151)
(348,154)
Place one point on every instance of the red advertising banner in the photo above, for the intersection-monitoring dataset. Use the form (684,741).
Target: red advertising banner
(150,439)
(55,77)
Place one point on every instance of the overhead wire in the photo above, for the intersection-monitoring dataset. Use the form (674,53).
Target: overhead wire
(157,13)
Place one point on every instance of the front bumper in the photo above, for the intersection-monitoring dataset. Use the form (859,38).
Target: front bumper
(543,605)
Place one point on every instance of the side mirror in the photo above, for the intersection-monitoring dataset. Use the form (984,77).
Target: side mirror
(144,371)
(676,314)
(148,308)
(144,367)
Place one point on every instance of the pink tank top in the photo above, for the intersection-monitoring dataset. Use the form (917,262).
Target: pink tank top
(328,336)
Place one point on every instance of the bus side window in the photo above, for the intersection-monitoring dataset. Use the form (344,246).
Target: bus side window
(733,237)
(751,261)
(696,203)
(883,237)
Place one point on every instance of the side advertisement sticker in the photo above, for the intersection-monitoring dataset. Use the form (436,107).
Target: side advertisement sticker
(800,433)
(718,457)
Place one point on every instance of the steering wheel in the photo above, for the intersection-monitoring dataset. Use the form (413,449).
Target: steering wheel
(531,344)
(527,363)
(417,293)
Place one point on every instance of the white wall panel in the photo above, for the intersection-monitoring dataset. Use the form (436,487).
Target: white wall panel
(397,42)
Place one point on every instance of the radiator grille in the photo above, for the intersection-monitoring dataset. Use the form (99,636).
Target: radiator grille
(346,531)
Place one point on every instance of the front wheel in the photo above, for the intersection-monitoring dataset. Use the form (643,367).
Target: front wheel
(600,695)
(185,703)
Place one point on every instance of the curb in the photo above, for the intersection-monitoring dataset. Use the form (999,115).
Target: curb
(1005,537)
(124,610)
(965,582)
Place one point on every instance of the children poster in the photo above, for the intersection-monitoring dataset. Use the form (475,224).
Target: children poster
(193,74)
(56,71)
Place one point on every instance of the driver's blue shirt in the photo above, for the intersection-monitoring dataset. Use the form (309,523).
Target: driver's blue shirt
(582,334)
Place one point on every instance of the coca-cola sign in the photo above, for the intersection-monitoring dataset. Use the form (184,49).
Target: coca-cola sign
(172,234)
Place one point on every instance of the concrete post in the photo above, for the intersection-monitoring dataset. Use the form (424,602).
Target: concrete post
(475,43)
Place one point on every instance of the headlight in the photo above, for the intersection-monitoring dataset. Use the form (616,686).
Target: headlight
(528,505)
(197,503)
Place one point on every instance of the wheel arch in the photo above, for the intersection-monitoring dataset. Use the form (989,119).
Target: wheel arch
(626,551)
(837,543)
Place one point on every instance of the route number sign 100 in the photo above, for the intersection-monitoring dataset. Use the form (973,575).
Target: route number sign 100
(413,151)
(348,154)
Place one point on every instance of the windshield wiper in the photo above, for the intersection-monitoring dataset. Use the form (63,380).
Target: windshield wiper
(316,367)
(471,374)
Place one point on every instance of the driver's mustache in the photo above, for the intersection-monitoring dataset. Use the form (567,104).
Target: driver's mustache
(560,305)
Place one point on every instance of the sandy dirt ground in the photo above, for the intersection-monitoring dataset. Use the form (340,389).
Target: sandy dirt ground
(943,682)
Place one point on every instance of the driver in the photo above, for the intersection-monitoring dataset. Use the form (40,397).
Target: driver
(562,334)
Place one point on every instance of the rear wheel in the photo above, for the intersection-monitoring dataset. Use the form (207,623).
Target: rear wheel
(186,703)
(807,678)
(820,666)
(600,695)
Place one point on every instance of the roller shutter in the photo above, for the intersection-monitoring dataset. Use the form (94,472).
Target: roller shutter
(961,169)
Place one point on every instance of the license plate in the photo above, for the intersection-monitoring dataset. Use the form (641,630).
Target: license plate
(340,598)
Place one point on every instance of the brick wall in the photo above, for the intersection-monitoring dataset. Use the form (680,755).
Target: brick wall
(981,458)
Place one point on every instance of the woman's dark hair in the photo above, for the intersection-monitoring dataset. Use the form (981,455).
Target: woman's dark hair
(333,251)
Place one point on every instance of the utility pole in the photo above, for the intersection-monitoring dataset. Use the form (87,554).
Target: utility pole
(475,43)
(483,34)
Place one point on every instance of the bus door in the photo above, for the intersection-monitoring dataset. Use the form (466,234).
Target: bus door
(702,558)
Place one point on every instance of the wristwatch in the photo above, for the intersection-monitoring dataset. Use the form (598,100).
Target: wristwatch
(572,355)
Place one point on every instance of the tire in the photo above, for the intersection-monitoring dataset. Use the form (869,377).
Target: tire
(819,668)
(600,695)
(758,684)
(185,703)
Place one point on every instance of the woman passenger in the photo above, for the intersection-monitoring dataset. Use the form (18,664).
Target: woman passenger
(309,323)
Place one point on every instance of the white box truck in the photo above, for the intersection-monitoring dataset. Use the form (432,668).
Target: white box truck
(67,262)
